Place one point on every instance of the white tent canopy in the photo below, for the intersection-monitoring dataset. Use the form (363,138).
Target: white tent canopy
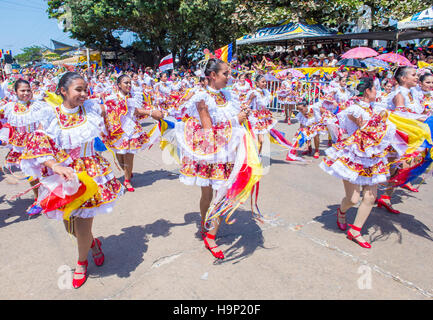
(418,20)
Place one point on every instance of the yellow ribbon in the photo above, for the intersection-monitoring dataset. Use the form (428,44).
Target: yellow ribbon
(91,190)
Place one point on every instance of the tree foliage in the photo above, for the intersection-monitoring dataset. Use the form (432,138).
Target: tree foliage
(33,53)
(184,27)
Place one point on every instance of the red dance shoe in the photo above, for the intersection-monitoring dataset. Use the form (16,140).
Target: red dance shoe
(381,203)
(316,154)
(99,257)
(288,158)
(308,151)
(341,226)
(131,188)
(353,238)
(217,254)
(408,187)
(76,283)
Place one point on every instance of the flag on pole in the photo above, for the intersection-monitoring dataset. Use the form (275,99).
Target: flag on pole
(166,63)
(225,53)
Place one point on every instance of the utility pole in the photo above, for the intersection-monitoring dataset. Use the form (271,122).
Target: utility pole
(88,61)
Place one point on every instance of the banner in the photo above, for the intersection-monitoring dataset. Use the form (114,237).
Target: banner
(225,53)
(95,57)
(166,63)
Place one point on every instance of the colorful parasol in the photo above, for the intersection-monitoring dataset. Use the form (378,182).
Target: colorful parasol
(395,58)
(359,53)
(295,73)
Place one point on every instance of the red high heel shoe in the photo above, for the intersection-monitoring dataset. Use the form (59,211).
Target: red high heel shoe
(99,257)
(410,188)
(308,151)
(381,203)
(329,143)
(218,254)
(341,226)
(353,238)
(76,283)
(288,158)
(316,154)
(131,188)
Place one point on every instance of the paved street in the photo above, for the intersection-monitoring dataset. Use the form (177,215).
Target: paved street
(153,249)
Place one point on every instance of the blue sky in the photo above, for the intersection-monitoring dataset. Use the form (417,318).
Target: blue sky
(24,23)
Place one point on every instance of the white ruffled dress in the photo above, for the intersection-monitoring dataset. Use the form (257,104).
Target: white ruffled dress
(24,118)
(261,118)
(241,90)
(412,107)
(208,156)
(287,94)
(162,95)
(125,134)
(68,137)
(362,158)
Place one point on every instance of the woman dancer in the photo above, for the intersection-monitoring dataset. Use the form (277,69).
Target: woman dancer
(261,118)
(162,92)
(125,134)
(336,100)
(387,94)
(241,88)
(309,117)
(65,146)
(361,160)
(24,117)
(404,104)
(286,96)
(424,91)
(208,140)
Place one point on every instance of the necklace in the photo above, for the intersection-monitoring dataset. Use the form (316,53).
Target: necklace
(219,97)
(22,107)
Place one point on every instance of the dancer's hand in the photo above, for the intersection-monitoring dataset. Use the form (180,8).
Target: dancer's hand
(358,121)
(157,114)
(242,116)
(384,115)
(66,172)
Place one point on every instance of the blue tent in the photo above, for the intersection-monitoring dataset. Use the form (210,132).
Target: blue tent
(285,32)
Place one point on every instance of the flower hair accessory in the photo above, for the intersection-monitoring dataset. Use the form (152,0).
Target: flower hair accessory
(203,63)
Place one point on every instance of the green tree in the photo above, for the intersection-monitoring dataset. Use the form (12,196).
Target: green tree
(177,26)
(341,13)
(33,53)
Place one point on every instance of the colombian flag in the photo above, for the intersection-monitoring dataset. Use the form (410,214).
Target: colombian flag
(225,53)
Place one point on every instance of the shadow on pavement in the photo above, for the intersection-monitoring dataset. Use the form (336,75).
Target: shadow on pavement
(148,178)
(125,252)
(292,163)
(243,237)
(18,210)
(382,223)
